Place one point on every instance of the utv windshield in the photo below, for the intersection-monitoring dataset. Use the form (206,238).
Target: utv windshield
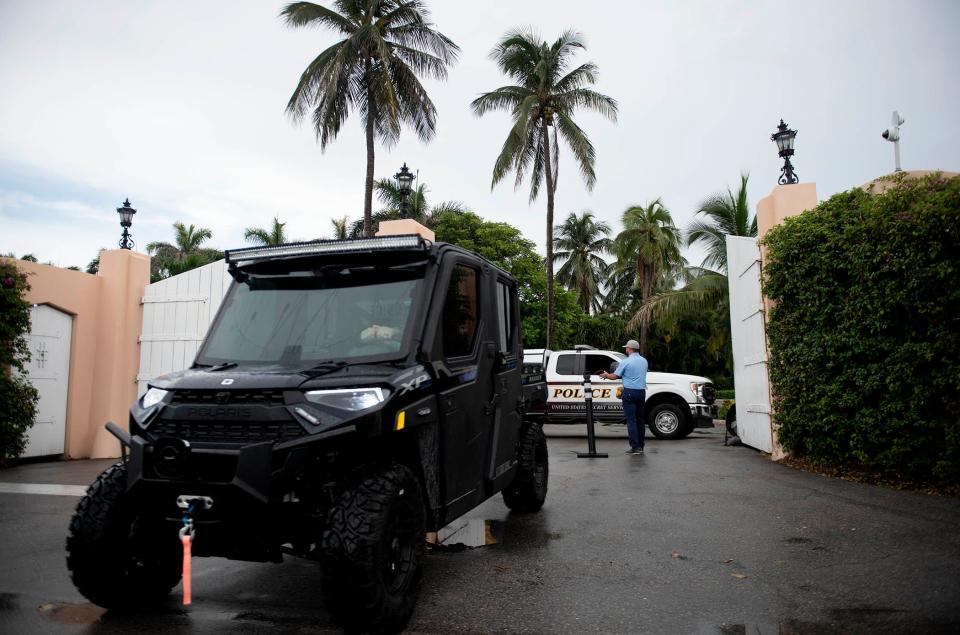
(301,319)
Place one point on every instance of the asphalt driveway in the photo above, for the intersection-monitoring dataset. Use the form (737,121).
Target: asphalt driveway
(692,537)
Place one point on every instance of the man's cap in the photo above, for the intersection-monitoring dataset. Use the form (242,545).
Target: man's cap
(634,344)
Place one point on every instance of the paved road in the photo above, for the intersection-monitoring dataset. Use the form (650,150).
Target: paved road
(693,537)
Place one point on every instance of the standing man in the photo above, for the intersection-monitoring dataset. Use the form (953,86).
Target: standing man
(633,371)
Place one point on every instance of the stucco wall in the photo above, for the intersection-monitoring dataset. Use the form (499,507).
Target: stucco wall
(104,356)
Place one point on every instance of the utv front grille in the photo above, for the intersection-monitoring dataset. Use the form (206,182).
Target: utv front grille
(225,397)
(227,431)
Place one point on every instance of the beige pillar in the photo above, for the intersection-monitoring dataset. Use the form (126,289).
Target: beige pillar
(782,203)
(125,275)
(404,227)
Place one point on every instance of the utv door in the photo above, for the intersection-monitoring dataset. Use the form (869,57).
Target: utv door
(506,400)
(466,342)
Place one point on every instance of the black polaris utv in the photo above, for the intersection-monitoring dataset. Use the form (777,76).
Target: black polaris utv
(356,393)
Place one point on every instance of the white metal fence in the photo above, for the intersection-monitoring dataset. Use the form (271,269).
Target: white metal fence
(176,315)
(748,331)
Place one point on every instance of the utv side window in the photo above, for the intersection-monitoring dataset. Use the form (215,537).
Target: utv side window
(460,313)
(566,364)
(505,317)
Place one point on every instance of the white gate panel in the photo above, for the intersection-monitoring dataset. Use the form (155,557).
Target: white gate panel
(49,372)
(748,332)
(176,315)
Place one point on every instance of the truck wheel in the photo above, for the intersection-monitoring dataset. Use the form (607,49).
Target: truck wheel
(118,559)
(666,421)
(732,421)
(529,487)
(373,547)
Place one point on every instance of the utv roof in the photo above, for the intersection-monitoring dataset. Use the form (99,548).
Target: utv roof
(240,258)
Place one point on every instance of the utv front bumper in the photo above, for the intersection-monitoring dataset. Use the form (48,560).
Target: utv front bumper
(250,486)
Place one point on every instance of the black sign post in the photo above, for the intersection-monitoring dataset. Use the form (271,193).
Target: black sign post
(591,452)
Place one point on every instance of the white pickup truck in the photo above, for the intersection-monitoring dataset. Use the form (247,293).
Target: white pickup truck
(676,404)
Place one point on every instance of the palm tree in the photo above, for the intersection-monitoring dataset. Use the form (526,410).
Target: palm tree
(275,235)
(577,243)
(340,228)
(187,242)
(707,286)
(546,95)
(375,69)
(418,206)
(724,215)
(648,251)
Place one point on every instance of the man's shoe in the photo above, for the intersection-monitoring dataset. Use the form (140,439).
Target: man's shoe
(637,451)
(631,451)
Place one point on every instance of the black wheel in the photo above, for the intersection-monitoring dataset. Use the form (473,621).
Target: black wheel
(732,420)
(373,547)
(529,487)
(667,421)
(117,559)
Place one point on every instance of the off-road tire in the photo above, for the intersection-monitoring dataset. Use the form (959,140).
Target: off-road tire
(373,546)
(116,559)
(667,421)
(528,490)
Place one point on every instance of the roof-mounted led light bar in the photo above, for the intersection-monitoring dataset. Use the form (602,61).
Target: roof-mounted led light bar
(324,247)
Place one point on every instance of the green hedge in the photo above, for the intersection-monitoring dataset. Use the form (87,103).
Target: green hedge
(18,397)
(865,334)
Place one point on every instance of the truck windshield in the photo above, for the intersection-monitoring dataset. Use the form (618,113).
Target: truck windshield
(304,318)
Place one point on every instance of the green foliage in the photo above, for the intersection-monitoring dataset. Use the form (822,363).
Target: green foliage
(577,244)
(865,338)
(18,398)
(183,255)
(723,215)
(648,256)
(694,343)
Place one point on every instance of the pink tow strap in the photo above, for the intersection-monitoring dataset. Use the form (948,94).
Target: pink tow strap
(186,539)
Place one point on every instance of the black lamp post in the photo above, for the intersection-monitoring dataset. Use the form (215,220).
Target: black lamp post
(405,185)
(784,140)
(126,220)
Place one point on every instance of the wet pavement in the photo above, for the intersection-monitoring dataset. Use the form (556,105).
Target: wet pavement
(692,537)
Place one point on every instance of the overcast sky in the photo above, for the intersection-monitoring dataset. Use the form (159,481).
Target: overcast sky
(180,106)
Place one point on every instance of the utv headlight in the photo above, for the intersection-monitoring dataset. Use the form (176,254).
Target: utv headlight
(347,398)
(152,397)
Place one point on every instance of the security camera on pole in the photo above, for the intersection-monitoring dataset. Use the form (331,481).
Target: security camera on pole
(893,134)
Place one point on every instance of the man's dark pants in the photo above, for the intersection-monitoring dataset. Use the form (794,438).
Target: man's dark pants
(633,407)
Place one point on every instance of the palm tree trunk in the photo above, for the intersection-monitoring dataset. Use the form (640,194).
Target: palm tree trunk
(368,184)
(550,185)
(646,287)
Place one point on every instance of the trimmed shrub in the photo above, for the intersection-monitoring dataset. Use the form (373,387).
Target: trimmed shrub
(865,334)
(18,397)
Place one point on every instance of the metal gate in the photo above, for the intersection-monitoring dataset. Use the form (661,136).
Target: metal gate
(748,331)
(49,372)
(176,315)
